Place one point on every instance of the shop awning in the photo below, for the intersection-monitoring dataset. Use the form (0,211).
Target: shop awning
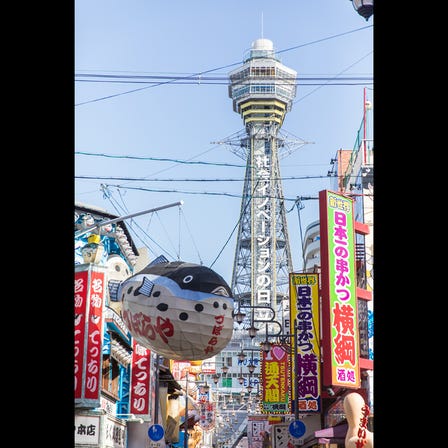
(333,434)
(166,379)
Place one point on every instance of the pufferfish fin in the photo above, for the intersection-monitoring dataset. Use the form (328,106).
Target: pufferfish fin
(146,287)
(113,289)
(159,259)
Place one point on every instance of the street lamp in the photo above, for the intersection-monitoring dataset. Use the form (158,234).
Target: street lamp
(215,378)
(240,378)
(363,7)
(224,369)
(266,346)
(239,316)
(241,355)
(252,331)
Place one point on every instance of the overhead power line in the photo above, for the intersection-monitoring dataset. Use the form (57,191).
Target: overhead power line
(171,80)
(211,80)
(158,159)
(144,179)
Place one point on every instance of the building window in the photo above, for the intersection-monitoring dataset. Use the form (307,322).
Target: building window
(110,376)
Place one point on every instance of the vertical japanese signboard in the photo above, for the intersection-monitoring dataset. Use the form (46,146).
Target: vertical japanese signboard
(89,321)
(275,381)
(304,312)
(263,243)
(139,390)
(340,340)
(207,415)
(80,312)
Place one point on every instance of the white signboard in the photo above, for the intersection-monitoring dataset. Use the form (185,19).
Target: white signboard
(114,434)
(90,430)
(87,430)
(158,444)
(281,438)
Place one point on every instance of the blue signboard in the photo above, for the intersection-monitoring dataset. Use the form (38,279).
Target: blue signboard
(297,428)
(156,432)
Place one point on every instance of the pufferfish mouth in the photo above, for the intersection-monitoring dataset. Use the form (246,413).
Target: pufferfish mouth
(220,291)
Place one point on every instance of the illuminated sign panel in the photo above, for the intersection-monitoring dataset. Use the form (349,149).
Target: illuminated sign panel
(304,312)
(340,339)
(275,381)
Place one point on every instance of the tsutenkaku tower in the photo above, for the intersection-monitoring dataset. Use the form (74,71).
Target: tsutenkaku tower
(262,90)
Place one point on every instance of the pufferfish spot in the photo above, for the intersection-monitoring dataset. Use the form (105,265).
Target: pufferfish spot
(199,307)
(162,306)
(183,316)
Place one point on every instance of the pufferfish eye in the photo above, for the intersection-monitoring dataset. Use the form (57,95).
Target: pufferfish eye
(220,291)
(188,279)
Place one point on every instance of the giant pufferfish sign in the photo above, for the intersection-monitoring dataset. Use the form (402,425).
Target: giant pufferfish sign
(180,310)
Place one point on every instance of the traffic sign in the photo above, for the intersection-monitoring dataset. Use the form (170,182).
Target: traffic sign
(156,432)
(297,428)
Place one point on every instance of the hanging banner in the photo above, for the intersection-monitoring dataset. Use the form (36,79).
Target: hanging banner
(207,415)
(340,340)
(304,312)
(139,390)
(89,291)
(275,381)
(81,289)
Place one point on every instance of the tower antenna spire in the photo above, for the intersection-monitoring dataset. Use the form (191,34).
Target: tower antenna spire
(262,24)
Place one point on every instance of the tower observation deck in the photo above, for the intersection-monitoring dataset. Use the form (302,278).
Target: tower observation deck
(262,91)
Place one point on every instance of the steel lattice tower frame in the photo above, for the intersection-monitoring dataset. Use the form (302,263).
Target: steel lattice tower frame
(262,90)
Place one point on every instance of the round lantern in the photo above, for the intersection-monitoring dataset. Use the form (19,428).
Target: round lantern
(363,7)
(180,310)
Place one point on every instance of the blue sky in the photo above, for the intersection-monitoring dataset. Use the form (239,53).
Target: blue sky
(131,126)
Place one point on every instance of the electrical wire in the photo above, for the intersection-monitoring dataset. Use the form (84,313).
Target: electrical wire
(234,195)
(158,159)
(144,179)
(132,224)
(322,85)
(173,80)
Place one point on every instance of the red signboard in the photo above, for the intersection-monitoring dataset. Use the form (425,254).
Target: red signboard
(81,289)
(139,403)
(89,321)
